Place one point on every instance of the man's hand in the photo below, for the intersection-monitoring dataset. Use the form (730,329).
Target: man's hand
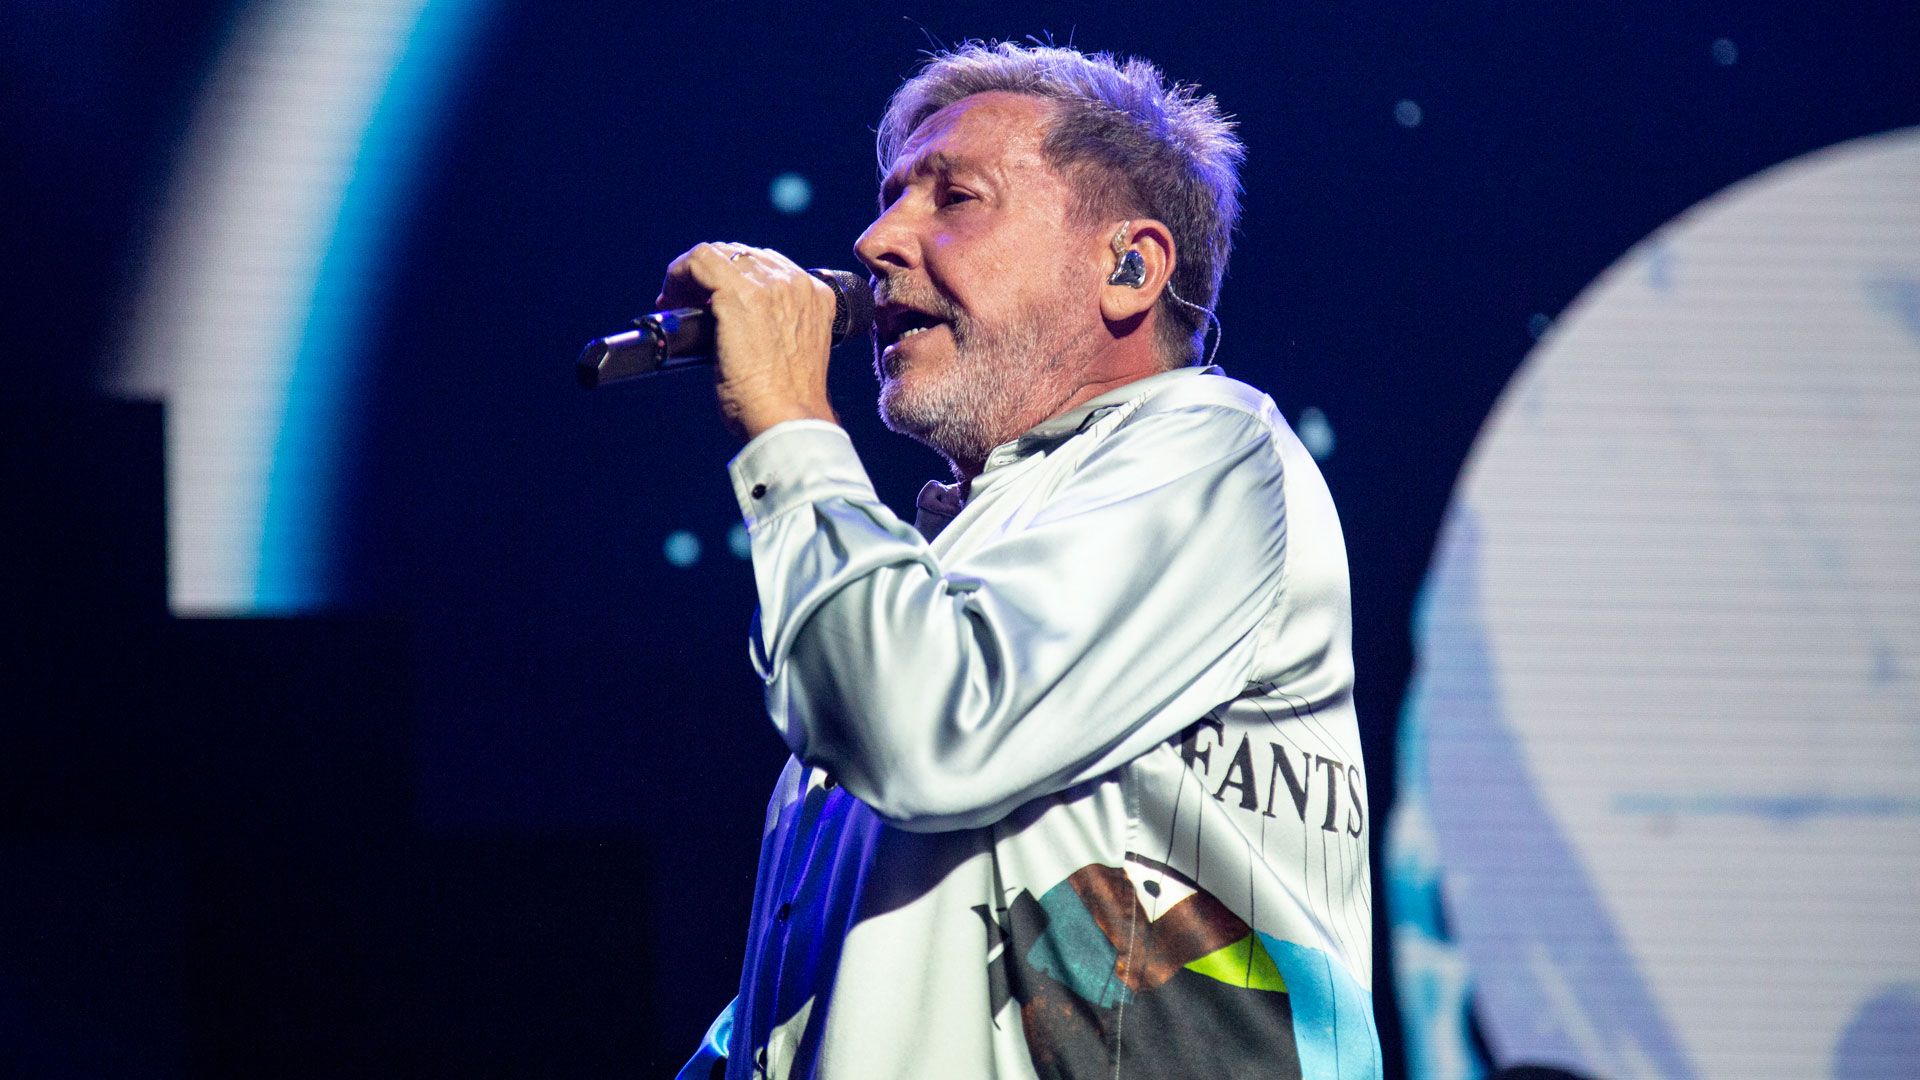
(774,329)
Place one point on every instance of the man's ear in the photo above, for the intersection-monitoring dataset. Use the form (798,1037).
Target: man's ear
(1140,261)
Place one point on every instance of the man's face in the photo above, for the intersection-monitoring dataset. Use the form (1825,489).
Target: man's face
(987,291)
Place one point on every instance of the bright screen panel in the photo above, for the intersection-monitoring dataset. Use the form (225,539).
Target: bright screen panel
(1659,813)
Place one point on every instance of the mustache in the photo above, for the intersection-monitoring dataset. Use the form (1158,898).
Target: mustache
(906,292)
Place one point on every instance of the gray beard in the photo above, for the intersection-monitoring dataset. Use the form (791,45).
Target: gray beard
(973,406)
(1000,384)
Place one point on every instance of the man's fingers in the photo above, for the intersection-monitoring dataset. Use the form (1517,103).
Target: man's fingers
(701,269)
(767,266)
(771,259)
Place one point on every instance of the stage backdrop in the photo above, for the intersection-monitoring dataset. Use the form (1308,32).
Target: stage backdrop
(1657,810)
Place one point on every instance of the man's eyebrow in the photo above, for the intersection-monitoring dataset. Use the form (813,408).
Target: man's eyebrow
(939,163)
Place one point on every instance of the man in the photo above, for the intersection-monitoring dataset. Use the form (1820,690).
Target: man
(1076,787)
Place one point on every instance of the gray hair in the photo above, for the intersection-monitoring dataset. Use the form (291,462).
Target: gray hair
(1131,144)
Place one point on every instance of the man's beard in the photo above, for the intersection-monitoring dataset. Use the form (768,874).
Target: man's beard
(998,383)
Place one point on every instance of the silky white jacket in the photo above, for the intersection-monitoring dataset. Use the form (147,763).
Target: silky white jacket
(1076,786)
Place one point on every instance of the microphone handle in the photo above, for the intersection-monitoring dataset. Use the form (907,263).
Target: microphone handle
(683,337)
(661,341)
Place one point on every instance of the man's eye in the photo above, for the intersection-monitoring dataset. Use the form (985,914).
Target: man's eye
(949,196)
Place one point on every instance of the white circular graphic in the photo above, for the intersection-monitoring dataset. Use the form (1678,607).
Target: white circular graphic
(1663,743)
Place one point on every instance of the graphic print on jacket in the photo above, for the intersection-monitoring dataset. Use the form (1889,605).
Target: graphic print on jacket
(1138,965)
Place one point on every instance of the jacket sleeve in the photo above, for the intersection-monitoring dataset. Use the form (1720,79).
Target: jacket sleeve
(946,693)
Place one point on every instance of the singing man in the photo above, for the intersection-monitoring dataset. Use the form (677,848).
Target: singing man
(1076,786)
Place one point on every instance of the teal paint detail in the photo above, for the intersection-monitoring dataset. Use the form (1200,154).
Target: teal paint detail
(1074,951)
(296,571)
(1333,1028)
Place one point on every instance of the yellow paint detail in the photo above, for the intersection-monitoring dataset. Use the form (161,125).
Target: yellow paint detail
(1243,963)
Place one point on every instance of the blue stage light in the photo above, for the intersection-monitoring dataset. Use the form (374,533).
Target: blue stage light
(739,542)
(1408,113)
(791,193)
(1316,433)
(682,548)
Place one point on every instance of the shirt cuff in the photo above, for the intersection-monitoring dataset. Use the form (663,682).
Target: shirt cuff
(796,462)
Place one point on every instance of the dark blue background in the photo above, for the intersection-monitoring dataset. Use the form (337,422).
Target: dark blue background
(497,812)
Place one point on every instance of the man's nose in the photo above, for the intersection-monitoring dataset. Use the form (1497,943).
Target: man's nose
(887,245)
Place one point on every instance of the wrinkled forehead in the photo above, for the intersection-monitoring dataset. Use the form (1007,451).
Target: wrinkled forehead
(996,131)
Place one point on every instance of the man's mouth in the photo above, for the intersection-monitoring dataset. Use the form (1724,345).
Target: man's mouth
(894,324)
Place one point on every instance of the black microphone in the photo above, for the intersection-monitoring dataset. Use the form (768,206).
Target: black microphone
(683,337)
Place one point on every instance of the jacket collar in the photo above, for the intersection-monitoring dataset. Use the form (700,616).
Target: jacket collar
(1058,429)
(940,503)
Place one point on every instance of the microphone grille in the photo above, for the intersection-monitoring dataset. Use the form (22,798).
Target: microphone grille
(853,303)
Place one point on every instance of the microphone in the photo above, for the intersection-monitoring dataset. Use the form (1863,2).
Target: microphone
(683,337)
